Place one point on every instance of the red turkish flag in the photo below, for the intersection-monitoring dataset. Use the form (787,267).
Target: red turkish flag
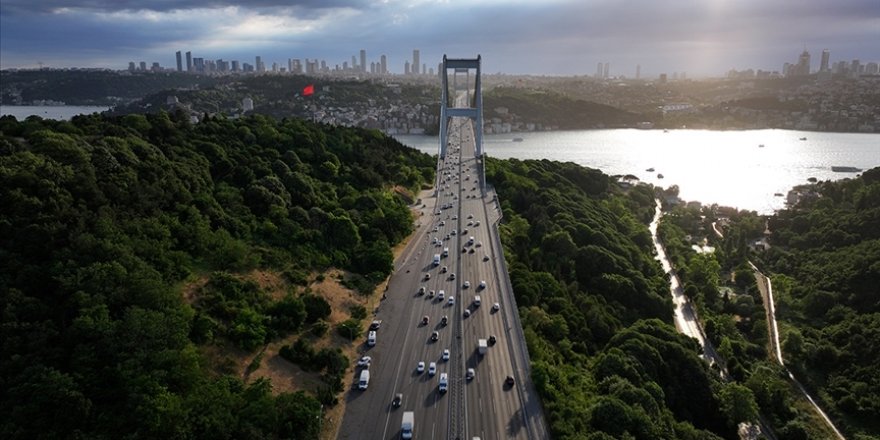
(309,90)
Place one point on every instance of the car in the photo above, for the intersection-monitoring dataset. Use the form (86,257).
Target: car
(466,284)
(398,400)
(496,307)
(509,381)
(425,320)
(440,295)
(422,290)
(364,361)
(470,216)
(445,356)
(464,231)
(464,250)
(435,336)
(470,374)
(376,324)
(420,368)
(454,232)
(479,244)
(442,222)
(467,312)
(470,223)
(443,269)
(444,320)
(431,294)
(451,300)
(444,383)
(486,257)
(492,339)
(432,368)
(477,223)
(482,284)
(471,251)
(455,217)
(427,276)
(435,229)
(452,276)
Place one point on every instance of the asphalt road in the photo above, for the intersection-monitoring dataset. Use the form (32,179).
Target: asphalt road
(484,406)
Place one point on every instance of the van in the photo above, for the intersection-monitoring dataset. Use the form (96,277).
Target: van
(444,382)
(371,338)
(477,300)
(364,382)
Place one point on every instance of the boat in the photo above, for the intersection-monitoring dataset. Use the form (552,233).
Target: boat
(777,194)
(650,170)
(803,138)
(839,169)
(760,145)
(517,139)
(660,176)
(666,131)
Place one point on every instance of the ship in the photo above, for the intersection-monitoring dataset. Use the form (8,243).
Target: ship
(660,176)
(517,139)
(803,138)
(839,169)
(650,170)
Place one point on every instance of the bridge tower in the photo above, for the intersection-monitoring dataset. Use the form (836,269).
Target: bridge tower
(475,109)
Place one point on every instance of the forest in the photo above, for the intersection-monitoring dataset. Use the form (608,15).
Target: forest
(597,314)
(822,256)
(105,218)
(554,109)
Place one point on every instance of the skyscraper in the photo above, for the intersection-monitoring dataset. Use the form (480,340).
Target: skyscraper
(363,60)
(384,62)
(826,55)
(803,65)
(259,64)
(415,63)
(179,61)
(406,68)
(189,61)
(606,70)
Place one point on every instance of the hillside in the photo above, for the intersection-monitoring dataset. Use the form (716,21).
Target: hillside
(137,251)
(606,359)
(552,109)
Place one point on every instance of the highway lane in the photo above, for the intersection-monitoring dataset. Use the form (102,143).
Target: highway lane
(484,406)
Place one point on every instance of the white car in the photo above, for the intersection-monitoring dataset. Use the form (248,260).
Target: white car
(467,313)
(470,216)
(467,284)
(420,367)
(470,374)
(496,307)
(451,300)
(482,284)
(365,361)
(432,368)
(486,257)
(440,295)
(446,354)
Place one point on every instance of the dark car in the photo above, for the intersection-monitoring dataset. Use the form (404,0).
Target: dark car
(435,336)
(492,340)
(398,400)
(509,381)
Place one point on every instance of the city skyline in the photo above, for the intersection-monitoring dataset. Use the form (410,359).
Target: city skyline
(556,38)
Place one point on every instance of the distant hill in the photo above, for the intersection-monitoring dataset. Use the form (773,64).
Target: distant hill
(551,109)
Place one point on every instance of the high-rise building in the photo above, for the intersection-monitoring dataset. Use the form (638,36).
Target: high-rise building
(354,63)
(179,61)
(606,70)
(406,68)
(384,62)
(189,61)
(363,60)
(826,55)
(235,66)
(258,62)
(143,66)
(803,65)
(199,64)
(416,63)
(131,66)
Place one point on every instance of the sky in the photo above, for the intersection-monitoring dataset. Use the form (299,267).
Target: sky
(542,37)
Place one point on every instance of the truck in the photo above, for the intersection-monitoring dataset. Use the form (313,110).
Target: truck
(364,381)
(407,425)
(482,346)
(436,260)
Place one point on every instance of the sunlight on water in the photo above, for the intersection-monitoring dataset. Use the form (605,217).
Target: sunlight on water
(725,167)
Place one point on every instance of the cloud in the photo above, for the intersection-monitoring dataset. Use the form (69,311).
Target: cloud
(48,6)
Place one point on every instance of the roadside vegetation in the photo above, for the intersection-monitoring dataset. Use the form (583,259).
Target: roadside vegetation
(142,257)
(606,359)
(822,258)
